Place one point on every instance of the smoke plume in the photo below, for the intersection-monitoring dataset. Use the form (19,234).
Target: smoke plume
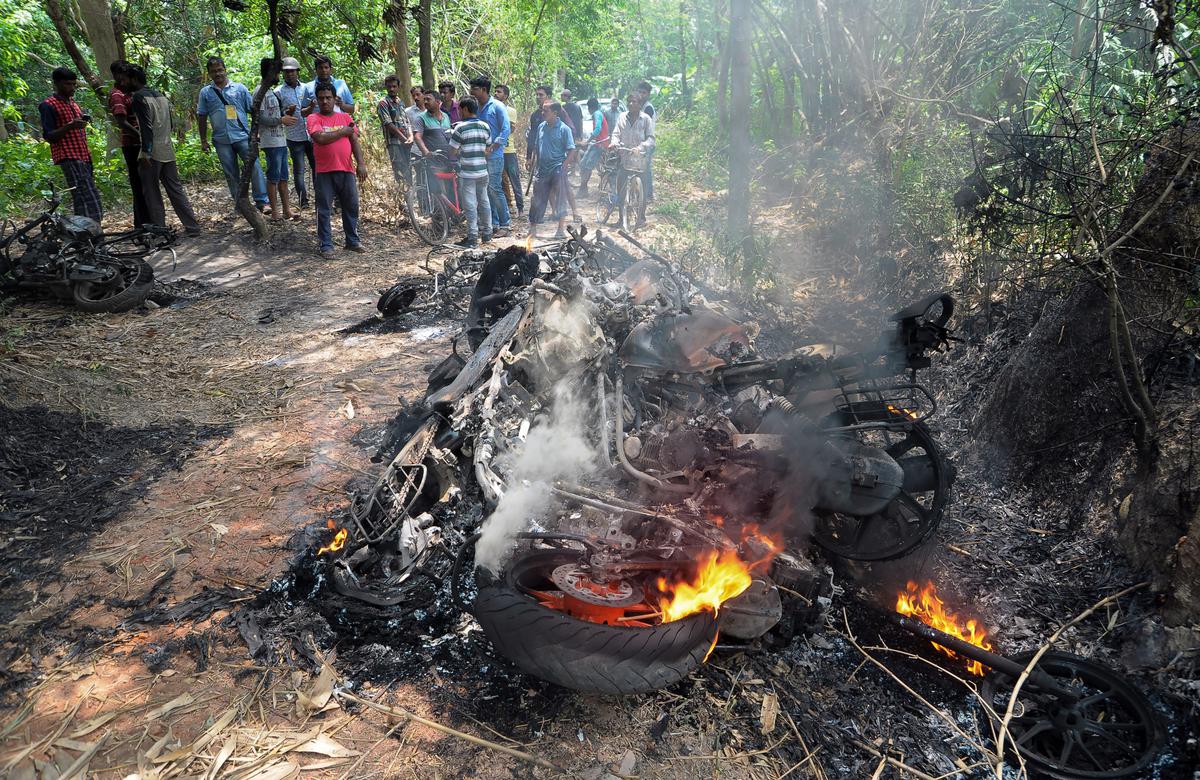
(557,448)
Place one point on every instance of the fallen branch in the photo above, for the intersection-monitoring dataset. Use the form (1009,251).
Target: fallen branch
(403,713)
(897,763)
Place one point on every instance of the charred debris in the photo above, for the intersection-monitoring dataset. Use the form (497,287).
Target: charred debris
(607,486)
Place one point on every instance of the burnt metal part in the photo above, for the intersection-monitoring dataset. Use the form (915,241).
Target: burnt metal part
(754,611)
(572,580)
(1109,730)
(909,519)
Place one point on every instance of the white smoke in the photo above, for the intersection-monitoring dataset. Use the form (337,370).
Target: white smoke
(557,448)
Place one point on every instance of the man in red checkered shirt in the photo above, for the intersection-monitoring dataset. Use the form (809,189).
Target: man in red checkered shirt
(63,126)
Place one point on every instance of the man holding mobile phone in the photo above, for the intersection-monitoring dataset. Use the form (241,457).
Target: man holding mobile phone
(63,124)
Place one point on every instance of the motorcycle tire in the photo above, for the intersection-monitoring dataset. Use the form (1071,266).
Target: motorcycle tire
(584,656)
(427,215)
(135,285)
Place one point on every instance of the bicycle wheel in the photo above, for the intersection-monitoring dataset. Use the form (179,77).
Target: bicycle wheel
(633,202)
(604,204)
(427,215)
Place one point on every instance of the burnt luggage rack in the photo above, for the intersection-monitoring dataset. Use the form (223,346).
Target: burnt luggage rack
(880,405)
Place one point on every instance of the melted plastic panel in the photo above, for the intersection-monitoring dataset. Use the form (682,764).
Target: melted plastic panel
(700,341)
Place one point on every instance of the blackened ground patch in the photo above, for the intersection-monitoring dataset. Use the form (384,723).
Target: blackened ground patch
(62,478)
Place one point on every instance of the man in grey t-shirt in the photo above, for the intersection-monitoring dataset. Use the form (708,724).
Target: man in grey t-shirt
(292,93)
(157,156)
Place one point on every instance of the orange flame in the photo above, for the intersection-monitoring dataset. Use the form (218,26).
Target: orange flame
(909,413)
(339,541)
(529,243)
(923,603)
(721,577)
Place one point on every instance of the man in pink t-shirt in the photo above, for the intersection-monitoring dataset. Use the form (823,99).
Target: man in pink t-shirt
(335,140)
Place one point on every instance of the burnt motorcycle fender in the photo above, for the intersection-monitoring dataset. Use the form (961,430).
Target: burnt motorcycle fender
(860,480)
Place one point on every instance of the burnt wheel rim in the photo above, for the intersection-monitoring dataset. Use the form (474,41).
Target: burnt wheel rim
(1111,731)
(555,580)
(123,278)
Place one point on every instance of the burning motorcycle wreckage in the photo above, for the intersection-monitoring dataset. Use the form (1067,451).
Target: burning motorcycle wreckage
(613,480)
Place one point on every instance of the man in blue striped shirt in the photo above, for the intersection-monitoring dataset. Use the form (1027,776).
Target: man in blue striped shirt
(469,144)
(495,115)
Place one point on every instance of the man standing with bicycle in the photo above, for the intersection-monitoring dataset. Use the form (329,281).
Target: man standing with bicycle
(633,138)
(397,132)
(469,144)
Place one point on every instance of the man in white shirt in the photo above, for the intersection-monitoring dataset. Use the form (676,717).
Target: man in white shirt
(633,138)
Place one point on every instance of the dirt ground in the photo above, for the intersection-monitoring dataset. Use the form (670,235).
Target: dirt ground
(226,429)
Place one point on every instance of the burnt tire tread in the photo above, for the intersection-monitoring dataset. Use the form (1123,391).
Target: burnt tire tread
(586,656)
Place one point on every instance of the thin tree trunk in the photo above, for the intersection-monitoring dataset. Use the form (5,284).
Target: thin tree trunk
(401,53)
(425,33)
(268,72)
(683,47)
(58,18)
(739,133)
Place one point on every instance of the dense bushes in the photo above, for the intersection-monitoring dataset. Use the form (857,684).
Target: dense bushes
(26,170)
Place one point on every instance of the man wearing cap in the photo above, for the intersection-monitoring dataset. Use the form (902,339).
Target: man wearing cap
(300,148)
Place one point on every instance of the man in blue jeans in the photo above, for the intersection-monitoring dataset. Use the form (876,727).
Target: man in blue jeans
(495,115)
(339,161)
(227,105)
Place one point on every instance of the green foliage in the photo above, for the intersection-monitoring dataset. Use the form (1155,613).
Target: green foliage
(26,169)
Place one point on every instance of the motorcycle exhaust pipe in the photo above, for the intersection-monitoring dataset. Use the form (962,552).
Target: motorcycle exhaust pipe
(1014,669)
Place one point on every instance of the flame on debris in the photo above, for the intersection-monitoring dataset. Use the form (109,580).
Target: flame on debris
(923,603)
(720,577)
(529,243)
(339,541)
(902,411)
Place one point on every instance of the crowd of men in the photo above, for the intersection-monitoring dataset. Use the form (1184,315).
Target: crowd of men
(311,127)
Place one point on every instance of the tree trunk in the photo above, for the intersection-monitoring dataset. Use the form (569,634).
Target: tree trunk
(268,72)
(58,18)
(401,53)
(96,16)
(425,34)
(739,133)
(684,90)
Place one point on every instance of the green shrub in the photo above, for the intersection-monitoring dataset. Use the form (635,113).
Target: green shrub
(26,169)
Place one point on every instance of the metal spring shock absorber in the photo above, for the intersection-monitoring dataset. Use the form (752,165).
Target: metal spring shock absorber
(784,405)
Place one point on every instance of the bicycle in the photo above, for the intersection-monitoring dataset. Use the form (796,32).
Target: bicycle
(429,210)
(624,193)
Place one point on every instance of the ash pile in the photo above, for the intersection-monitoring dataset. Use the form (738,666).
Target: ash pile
(614,484)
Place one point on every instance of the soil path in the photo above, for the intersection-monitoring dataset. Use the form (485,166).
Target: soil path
(271,414)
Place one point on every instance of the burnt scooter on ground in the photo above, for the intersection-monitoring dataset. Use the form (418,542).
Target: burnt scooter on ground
(71,257)
(699,443)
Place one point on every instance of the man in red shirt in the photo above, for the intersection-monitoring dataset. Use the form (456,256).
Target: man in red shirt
(335,139)
(120,102)
(62,127)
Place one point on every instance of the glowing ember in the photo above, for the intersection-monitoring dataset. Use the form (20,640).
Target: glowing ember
(923,603)
(721,577)
(339,541)
(909,413)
